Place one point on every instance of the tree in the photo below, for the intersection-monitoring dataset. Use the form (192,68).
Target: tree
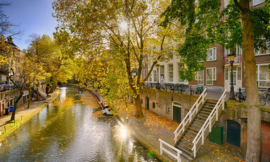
(6,27)
(246,27)
(118,36)
(45,53)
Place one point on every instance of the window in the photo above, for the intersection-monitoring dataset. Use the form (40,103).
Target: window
(155,75)
(199,77)
(170,70)
(180,65)
(226,73)
(256,2)
(226,2)
(150,77)
(211,54)
(263,76)
(239,73)
(262,51)
(210,75)
(154,105)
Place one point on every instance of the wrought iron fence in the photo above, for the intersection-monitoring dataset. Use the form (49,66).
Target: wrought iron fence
(168,87)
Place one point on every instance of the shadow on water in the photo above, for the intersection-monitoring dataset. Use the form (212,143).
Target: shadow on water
(69,132)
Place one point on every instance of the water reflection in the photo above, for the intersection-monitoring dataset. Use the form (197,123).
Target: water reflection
(67,131)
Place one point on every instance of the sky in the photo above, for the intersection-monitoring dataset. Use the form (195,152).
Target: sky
(33,17)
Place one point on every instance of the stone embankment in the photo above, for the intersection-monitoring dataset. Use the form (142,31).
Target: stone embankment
(23,115)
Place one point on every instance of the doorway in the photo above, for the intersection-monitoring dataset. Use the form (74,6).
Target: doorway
(177,111)
(147,103)
(233,133)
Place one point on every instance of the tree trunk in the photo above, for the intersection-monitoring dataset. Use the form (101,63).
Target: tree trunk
(254,140)
(29,99)
(15,106)
(139,113)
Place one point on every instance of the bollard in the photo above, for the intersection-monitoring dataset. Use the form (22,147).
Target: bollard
(190,90)
(5,128)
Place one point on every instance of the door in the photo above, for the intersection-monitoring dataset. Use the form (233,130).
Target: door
(235,83)
(177,114)
(147,103)
(233,133)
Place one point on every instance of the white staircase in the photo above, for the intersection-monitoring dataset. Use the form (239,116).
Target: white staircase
(195,127)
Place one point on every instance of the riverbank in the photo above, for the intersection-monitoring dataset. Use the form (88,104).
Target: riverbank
(23,115)
(153,127)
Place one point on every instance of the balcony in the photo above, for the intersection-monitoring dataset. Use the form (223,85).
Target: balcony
(237,60)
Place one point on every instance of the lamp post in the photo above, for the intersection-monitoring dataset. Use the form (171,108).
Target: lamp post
(157,65)
(231,58)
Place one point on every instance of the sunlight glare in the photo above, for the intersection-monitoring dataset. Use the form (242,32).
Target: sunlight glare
(123,25)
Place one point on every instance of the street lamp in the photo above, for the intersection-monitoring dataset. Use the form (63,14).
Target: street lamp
(157,65)
(231,58)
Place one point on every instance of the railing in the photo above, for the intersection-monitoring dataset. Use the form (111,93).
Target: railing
(237,59)
(167,87)
(175,154)
(190,115)
(207,126)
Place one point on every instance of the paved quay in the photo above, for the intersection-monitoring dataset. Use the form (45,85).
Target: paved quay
(153,127)
(23,114)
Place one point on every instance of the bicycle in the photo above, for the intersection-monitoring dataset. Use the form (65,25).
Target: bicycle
(240,96)
(265,97)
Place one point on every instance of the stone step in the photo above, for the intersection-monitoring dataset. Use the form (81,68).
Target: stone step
(190,134)
(198,120)
(182,148)
(192,131)
(186,154)
(203,115)
(208,107)
(199,125)
(188,138)
(187,147)
(205,112)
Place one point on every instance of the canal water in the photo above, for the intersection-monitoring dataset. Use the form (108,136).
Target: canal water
(71,130)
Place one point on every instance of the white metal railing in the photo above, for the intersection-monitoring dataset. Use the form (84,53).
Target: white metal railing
(208,123)
(176,154)
(190,115)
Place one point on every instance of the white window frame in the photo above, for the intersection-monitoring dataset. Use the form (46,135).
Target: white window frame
(214,50)
(150,78)
(258,74)
(197,76)
(259,52)
(155,75)
(214,75)
(171,81)
(257,3)
(225,6)
(179,80)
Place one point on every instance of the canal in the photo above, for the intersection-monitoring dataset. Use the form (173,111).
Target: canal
(70,130)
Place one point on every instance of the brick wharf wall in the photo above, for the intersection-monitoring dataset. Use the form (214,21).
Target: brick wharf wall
(163,102)
(233,111)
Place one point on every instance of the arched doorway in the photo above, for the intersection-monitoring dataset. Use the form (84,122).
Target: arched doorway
(233,133)
(176,111)
(147,103)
